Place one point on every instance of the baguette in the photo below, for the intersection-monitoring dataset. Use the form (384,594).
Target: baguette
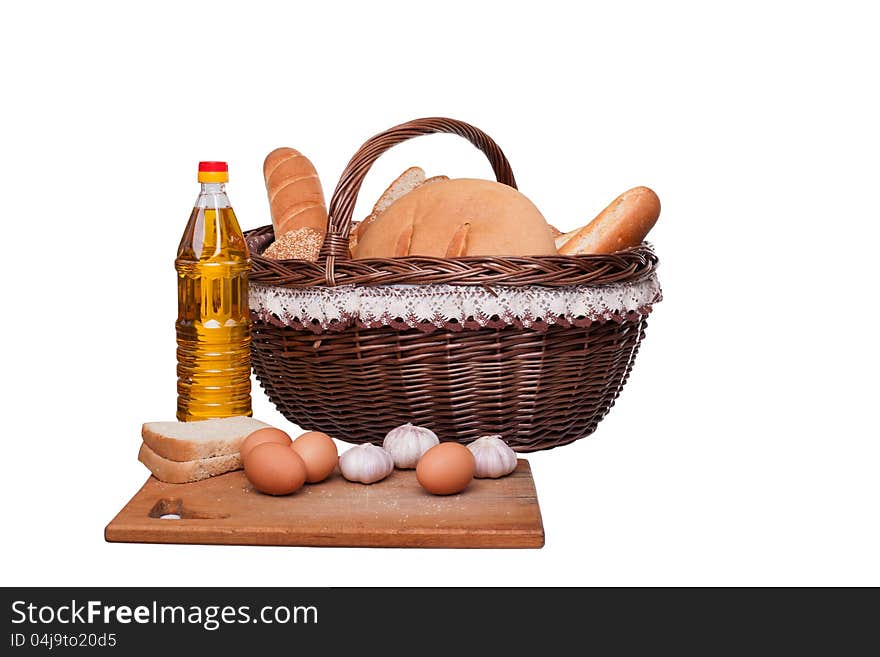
(187,441)
(621,225)
(181,472)
(296,198)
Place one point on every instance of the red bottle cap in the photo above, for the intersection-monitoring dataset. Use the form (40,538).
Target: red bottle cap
(213,172)
(213,166)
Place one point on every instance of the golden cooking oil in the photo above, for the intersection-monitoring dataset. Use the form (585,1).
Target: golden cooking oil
(213,325)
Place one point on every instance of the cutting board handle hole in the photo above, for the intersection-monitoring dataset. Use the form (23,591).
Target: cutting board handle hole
(172,508)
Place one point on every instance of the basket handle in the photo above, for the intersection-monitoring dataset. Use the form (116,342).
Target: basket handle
(345,195)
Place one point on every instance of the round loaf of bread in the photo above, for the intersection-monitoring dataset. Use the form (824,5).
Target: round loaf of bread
(458,217)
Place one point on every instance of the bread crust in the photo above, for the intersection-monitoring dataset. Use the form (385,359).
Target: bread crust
(458,244)
(404,241)
(181,472)
(623,224)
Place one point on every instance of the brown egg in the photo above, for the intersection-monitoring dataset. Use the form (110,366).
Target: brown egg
(260,436)
(275,469)
(318,452)
(445,469)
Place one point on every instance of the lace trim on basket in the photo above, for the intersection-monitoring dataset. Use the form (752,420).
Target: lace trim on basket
(450,307)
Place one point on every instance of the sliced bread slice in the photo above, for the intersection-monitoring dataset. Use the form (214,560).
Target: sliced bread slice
(187,441)
(402,185)
(181,472)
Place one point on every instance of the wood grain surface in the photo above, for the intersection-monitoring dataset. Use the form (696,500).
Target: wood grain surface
(396,512)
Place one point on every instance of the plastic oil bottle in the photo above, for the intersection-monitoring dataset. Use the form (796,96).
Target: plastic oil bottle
(213,326)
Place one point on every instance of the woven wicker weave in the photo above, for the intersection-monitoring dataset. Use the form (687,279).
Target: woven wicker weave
(538,389)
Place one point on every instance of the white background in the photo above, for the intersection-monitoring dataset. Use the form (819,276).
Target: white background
(744,449)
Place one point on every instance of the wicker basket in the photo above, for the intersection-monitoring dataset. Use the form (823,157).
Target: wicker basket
(540,382)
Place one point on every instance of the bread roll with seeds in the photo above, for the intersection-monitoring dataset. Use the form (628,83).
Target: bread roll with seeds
(300,244)
(296,199)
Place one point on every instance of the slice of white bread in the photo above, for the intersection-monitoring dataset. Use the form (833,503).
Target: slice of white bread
(409,180)
(188,441)
(403,184)
(181,472)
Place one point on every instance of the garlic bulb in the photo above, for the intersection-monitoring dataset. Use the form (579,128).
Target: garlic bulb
(407,443)
(366,463)
(493,457)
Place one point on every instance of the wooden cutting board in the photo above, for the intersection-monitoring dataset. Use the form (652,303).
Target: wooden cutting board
(396,512)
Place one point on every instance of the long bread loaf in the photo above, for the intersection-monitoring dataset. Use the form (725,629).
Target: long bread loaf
(296,198)
(622,224)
